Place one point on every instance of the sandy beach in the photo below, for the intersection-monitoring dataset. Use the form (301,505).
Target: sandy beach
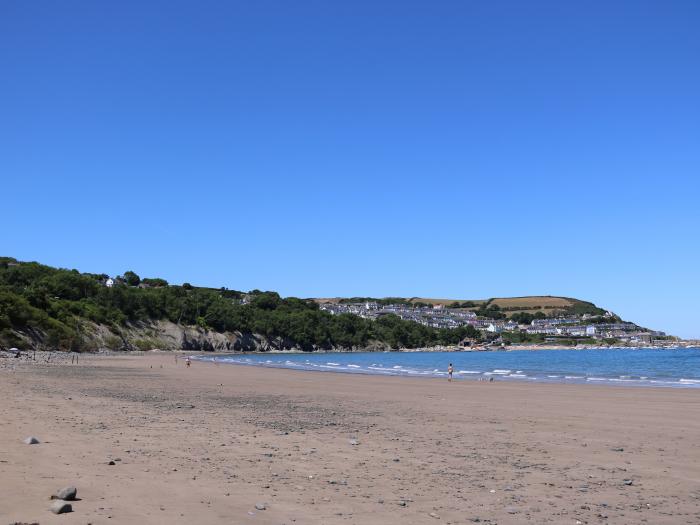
(207,444)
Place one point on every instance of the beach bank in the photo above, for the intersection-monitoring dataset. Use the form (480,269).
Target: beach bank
(208,443)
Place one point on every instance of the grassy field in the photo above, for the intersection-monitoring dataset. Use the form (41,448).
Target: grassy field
(547,302)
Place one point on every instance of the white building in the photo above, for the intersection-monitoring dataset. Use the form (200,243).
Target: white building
(494,328)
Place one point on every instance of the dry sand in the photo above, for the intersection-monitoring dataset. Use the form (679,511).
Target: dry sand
(206,444)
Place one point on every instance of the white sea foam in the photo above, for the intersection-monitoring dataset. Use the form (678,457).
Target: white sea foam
(354,366)
(468,371)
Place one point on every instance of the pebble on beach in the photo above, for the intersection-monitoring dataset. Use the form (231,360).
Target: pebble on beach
(60,507)
(66,493)
(31,440)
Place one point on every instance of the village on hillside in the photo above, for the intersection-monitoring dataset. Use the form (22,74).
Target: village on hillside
(606,327)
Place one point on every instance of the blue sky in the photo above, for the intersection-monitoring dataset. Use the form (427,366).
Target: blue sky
(444,149)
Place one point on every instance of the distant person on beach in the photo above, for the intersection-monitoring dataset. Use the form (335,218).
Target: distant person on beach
(449,372)
(187,362)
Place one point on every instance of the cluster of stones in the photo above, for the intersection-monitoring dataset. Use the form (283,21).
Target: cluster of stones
(62,497)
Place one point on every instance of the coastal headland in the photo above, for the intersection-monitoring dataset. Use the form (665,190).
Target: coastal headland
(46,308)
(146,439)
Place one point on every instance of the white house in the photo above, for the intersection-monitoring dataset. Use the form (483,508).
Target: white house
(496,329)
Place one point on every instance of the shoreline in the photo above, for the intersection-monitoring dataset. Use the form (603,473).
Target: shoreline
(474,371)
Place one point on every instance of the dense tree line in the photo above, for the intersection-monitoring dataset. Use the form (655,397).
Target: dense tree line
(57,302)
(526,317)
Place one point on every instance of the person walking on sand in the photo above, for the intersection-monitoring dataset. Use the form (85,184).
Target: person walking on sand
(187,362)
(449,372)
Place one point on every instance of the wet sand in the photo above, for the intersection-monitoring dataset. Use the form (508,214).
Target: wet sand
(206,444)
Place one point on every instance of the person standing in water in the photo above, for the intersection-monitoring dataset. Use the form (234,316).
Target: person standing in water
(449,372)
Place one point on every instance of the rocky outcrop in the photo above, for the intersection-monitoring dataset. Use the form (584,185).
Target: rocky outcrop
(165,335)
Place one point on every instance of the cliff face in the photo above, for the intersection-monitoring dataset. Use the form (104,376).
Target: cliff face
(165,335)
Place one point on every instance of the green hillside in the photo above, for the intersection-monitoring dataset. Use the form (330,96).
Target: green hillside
(52,308)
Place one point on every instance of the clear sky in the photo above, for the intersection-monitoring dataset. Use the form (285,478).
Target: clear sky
(461,149)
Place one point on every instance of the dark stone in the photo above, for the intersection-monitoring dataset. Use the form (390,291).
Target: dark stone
(67,494)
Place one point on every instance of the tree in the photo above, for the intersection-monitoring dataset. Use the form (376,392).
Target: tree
(131,278)
(154,282)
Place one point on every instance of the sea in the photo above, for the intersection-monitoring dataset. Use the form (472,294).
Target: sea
(668,367)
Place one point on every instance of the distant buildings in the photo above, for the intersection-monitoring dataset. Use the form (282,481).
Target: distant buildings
(438,316)
(426,315)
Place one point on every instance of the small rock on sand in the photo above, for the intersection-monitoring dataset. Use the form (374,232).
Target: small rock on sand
(31,440)
(66,493)
(60,507)
(261,506)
